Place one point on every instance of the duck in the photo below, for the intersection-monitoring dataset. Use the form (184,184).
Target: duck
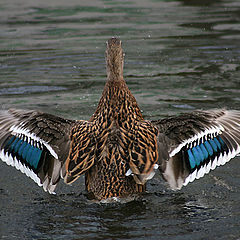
(117,150)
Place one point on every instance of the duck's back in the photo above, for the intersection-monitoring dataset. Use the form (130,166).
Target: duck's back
(122,148)
(115,143)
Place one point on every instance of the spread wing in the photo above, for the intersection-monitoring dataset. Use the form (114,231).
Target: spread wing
(192,144)
(35,143)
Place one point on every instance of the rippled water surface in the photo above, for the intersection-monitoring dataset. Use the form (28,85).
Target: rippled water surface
(180,56)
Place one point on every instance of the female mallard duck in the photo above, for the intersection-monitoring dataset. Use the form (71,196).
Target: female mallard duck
(117,150)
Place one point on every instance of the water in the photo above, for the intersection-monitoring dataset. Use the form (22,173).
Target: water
(180,56)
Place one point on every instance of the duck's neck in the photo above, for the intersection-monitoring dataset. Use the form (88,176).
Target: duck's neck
(114,61)
(116,100)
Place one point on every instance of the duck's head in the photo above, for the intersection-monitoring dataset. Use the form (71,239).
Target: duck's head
(114,59)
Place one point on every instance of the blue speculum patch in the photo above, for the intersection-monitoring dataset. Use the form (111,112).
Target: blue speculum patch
(24,151)
(204,151)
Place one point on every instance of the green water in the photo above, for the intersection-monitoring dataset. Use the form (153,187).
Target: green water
(180,56)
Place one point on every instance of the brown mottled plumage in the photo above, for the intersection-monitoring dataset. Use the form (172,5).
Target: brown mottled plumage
(117,150)
(114,140)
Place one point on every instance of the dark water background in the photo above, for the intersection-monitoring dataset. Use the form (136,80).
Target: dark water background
(180,56)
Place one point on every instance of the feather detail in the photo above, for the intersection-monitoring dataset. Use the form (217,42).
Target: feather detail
(14,162)
(144,155)
(81,156)
(18,131)
(214,130)
(29,141)
(196,144)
